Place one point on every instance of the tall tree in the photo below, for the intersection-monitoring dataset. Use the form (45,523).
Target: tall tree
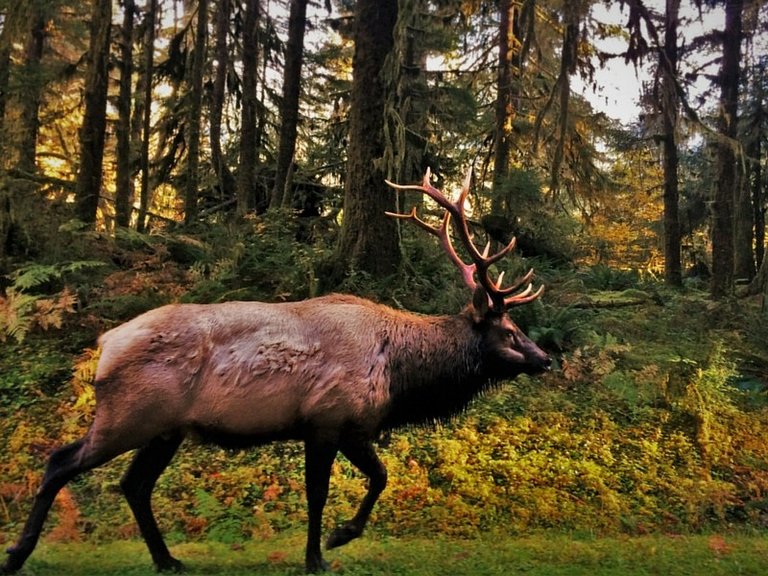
(289,106)
(6,43)
(669,106)
(368,241)
(93,127)
(505,112)
(144,110)
(407,128)
(756,134)
(29,101)
(248,115)
(224,175)
(516,33)
(194,113)
(124,164)
(725,146)
(574,12)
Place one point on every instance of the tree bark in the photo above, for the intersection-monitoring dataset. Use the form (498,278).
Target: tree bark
(669,111)
(248,117)
(289,108)
(92,131)
(573,15)
(755,153)
(223,173)
(505,112)
(146,111)
(722,205)
(194,120)
(29,101)
(368,241)
(7,38)
(123,178)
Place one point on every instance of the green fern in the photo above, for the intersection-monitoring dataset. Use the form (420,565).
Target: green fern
(35,275)
(21,310)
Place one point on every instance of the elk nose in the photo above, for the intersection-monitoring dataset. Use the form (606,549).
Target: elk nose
(544,362)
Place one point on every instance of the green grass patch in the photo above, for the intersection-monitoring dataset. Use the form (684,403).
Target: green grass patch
(543,554)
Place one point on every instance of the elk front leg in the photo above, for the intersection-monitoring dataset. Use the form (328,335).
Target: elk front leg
(363,456)
(318,459)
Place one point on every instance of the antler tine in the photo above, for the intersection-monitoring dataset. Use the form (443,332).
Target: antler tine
(467,270)
(521,281)
(500,298)
(524,297)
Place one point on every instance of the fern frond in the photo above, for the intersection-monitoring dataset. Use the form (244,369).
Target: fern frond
(16,314)
(79,265)
(34,275)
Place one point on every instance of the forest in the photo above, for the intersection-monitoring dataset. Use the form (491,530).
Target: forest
(159,151)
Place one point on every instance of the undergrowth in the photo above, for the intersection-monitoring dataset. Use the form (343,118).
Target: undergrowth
(653,421)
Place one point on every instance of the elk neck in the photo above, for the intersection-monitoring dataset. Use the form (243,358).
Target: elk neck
(436,368)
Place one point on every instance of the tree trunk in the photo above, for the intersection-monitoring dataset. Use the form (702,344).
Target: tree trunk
(7,38)
(146,113)
(223,173)
(123,178)
(755,153)
(289,108)
(573,15)
(92,131)
(368,241)
(248,150)
(722,205)
(29,100)
(669,110)
(194,120)
(505,112)
(743,229)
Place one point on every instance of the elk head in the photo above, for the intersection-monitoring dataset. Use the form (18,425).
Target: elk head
(507,350)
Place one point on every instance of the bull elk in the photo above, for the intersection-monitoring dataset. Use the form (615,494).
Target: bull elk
(333,372)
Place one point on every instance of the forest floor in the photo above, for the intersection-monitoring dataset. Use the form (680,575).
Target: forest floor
(539,554)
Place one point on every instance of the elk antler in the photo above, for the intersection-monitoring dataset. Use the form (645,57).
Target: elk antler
(501,298)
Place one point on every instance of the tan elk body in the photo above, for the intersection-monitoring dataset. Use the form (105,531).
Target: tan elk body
(333,372)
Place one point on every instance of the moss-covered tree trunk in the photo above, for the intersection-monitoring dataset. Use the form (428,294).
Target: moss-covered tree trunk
(505,111)
(369,240)
(669,110)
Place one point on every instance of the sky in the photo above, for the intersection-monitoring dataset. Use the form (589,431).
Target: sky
(618,83)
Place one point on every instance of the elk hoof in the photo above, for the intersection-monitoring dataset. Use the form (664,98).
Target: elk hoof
(170,565)
(315,565)
(12,564)
(342,535)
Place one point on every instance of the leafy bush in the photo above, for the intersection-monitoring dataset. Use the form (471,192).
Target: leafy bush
(603,277)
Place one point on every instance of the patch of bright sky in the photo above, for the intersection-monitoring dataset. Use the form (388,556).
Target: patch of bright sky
(617,86)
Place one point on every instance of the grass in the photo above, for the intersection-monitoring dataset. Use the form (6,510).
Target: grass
(539,555)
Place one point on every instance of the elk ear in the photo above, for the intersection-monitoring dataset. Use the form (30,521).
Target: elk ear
(480,304)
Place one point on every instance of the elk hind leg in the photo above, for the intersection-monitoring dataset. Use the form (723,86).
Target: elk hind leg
(137,485)
(63,465)
(363,456)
